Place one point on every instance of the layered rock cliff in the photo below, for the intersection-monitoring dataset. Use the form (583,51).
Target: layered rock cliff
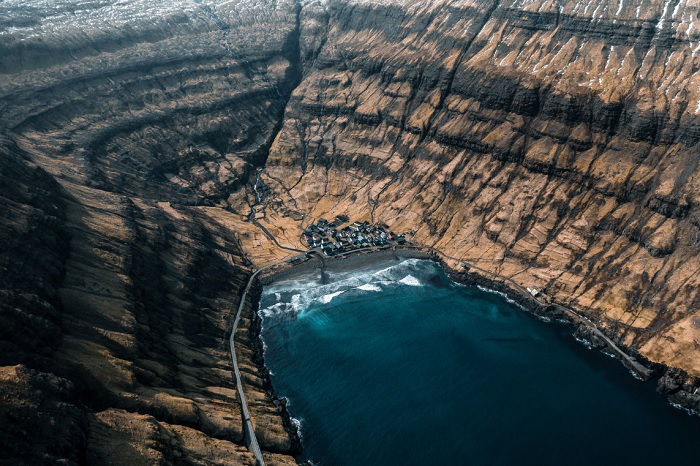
(121,123)
(554,142)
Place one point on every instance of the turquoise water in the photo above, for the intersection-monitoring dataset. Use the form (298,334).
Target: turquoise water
(397,365)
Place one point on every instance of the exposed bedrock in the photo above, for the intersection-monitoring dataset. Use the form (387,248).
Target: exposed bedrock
(115,312)
(123,124)
(555,142)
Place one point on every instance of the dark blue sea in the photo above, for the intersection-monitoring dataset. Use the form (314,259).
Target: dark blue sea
(397,365)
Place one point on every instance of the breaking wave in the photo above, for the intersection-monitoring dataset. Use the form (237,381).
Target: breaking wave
(297,425)
(295,295)
(507,298)
(327,298)
(369,287)
(410,280)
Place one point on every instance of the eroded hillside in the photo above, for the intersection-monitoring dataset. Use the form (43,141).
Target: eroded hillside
(554,142)
(122,124)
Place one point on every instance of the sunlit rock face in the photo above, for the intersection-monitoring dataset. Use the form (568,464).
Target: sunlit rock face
(555,141)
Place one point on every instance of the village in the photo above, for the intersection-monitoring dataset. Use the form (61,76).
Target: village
(331,239)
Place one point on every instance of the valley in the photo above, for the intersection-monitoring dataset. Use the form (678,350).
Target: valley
(154,155)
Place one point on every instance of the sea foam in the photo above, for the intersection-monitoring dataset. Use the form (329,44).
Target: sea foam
(327,298)
(369,287)
(410,280)
(297,295)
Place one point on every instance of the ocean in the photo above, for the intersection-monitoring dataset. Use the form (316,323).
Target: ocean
(395,364)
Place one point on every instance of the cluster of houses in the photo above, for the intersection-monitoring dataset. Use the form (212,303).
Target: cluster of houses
(332,239)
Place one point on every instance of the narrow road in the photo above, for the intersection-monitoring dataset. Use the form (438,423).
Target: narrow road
(271,236)
(248,430)
(629,361)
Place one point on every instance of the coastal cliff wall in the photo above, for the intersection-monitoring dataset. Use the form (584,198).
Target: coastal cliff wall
(555,141)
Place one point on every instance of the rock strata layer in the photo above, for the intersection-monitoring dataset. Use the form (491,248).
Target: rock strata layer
(554,143)
(123,124)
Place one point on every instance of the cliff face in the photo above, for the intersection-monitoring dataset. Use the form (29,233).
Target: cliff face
(553,142)
(121,125)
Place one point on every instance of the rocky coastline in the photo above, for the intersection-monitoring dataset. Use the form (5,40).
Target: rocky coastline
(259,360)
(680,389)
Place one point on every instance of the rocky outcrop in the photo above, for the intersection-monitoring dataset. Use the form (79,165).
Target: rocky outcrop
(554,143)
(37,407)
(132,319)
(682,391)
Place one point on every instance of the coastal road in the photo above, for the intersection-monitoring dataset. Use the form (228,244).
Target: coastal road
(248,430)
(631,363)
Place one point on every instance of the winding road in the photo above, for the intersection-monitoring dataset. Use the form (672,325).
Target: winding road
(248,430)
(270,236)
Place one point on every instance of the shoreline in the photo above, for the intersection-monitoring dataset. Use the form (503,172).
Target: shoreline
(670,381)
(346,263)
(315,264)
(259,360)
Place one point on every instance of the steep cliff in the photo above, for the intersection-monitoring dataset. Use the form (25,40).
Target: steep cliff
(122,123)
(554,142)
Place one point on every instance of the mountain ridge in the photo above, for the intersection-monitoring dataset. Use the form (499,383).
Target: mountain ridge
(555,139)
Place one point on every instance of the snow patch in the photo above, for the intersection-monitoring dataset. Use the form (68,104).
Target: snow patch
(619,7)
(675,10)
(660,24)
